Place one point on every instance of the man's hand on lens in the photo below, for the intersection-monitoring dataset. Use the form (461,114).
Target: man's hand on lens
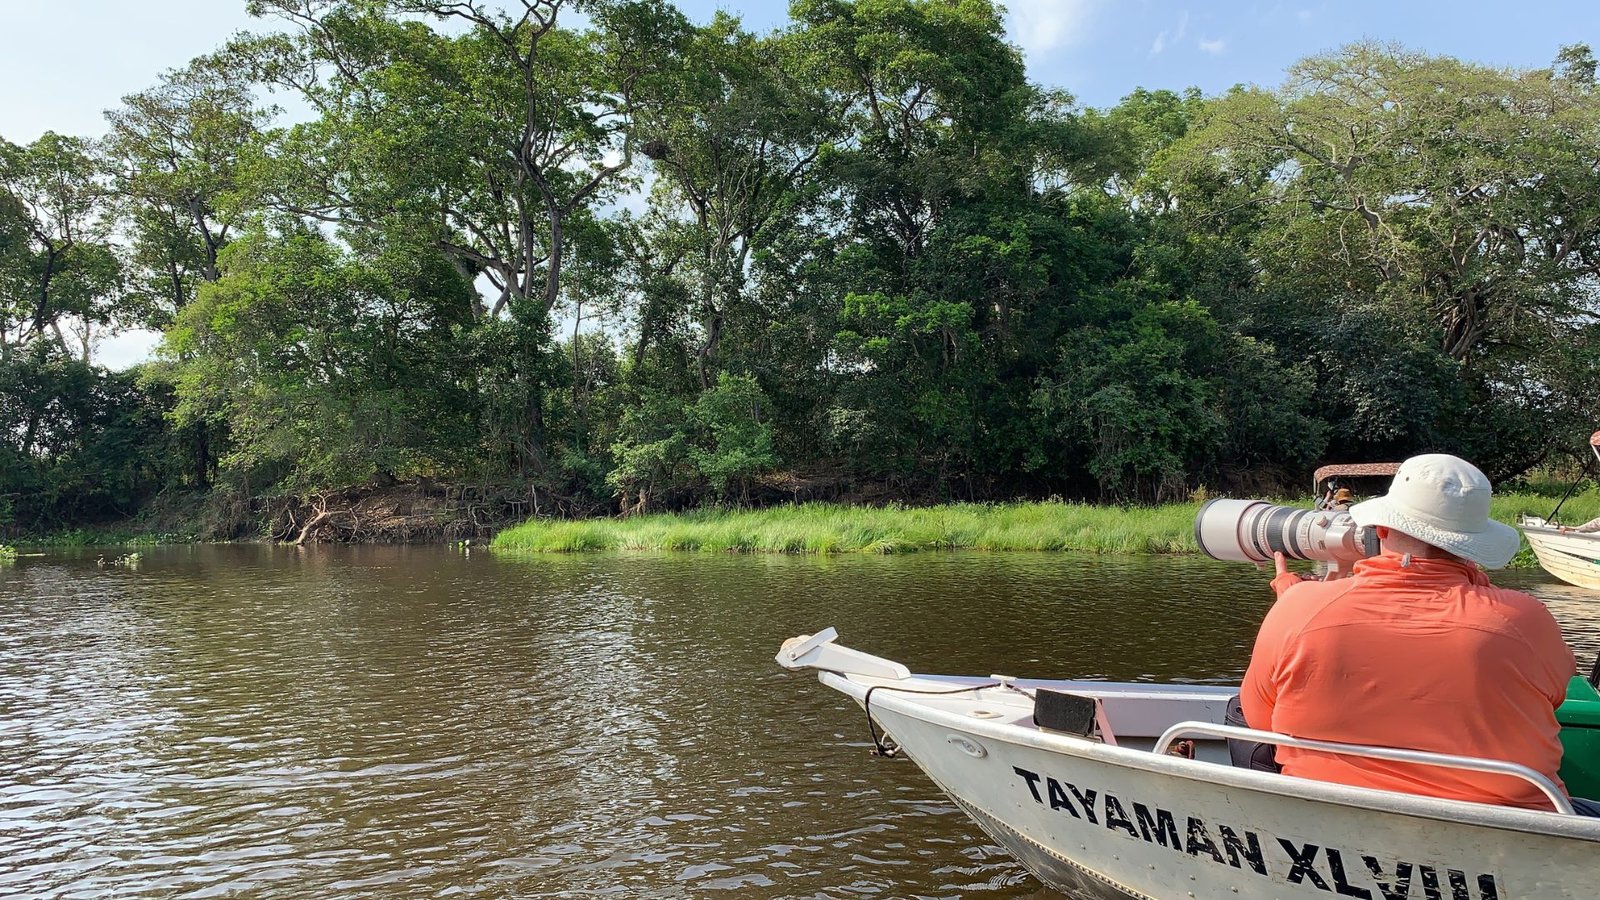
(1282,578)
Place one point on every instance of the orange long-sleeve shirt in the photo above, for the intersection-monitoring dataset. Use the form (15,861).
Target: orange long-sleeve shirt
(1428,656)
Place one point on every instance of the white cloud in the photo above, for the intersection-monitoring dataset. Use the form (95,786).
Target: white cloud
(1038,26)
(1212,47)
(127,348)
(1166,38)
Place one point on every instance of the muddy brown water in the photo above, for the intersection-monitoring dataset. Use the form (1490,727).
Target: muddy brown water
(385,721)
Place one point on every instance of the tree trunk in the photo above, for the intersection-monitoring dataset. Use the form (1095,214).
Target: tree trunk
(41,313)
(305,532)
(533,441)
(202,458)
(552,275)
(708,350)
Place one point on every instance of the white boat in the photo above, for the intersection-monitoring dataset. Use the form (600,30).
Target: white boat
(1115,815)
(1571,557)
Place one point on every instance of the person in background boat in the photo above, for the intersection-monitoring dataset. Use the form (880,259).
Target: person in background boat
(1416,649)
(1587,527)
(1333,497)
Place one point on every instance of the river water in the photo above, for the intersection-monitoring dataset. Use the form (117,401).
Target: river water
(392,721)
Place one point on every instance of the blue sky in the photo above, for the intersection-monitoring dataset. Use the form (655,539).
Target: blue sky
(69,60)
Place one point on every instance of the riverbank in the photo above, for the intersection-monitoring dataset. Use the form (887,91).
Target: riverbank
(821,528)
(415,512)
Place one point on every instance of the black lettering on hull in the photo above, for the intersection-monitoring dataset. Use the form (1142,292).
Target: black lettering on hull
(1304,860)
(1086,800)
(1032,778)
(1398,888)
(1159,827)
(1430,883)
(1250,852)
(1199,841)
(1341,884)
(1116,817)
(1058,797)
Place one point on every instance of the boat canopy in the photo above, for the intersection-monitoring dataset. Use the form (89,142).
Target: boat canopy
(1362,470)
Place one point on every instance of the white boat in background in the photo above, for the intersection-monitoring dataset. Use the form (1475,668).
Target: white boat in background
(1571,556)
(1113,814)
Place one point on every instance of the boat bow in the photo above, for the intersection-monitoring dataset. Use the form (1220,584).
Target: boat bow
(1108,816)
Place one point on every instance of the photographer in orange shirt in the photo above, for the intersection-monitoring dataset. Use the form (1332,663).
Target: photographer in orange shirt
(1416,649)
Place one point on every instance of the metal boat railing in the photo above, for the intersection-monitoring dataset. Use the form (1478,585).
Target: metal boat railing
(1394,754)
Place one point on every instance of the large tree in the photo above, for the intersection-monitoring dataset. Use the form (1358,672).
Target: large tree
(330,367)
(175,152)
(949,262)
(523,124)
(491,141)
(735,146)
(1454,200)
(178,154)
(59,270)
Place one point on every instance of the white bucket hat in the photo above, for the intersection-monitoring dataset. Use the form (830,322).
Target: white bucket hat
(1443,501)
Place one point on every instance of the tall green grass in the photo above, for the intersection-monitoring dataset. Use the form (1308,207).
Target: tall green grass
(1510,508)
(821,528)
(833,528)
(1579,508)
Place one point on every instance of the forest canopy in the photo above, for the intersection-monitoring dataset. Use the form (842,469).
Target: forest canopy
(640,262)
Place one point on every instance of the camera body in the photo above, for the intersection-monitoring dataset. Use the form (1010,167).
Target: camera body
(1253,530)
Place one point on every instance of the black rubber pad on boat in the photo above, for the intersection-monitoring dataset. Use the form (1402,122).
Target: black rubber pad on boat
(1058,711)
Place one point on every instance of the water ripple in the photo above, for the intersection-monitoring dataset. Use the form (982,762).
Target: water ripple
(377,722)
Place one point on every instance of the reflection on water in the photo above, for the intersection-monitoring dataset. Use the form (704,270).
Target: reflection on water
(385,721)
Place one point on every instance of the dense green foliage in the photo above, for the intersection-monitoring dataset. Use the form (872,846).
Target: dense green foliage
(644,263)
(85,445)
